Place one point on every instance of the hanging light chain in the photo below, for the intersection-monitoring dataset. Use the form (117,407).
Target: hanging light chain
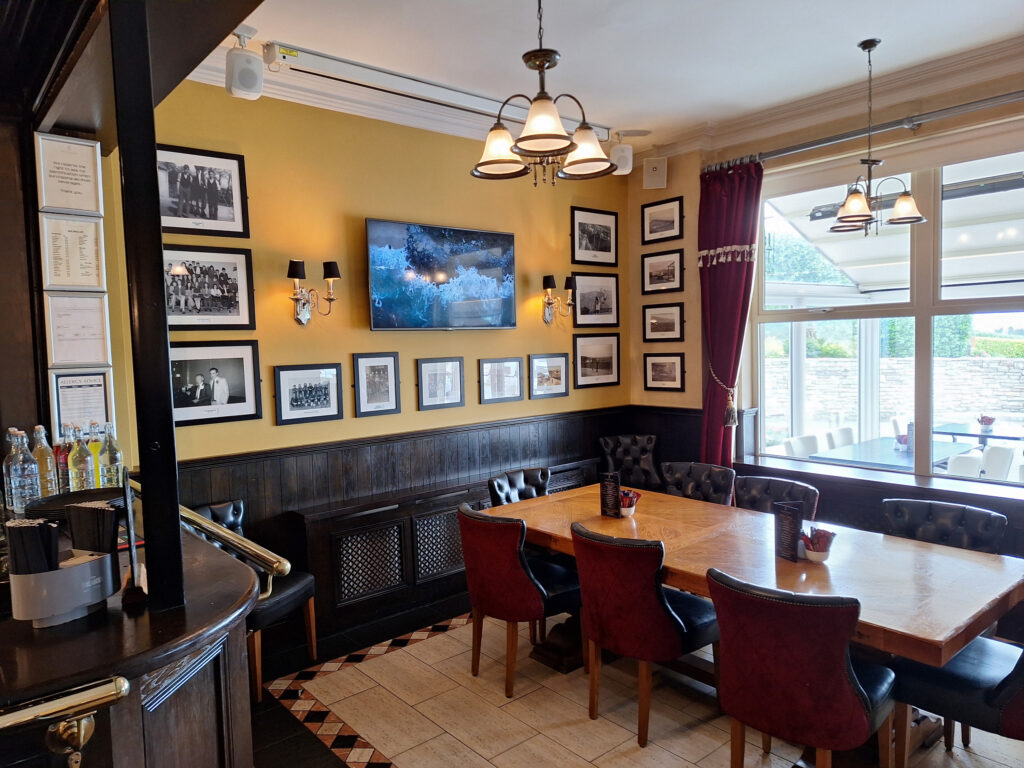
(540,24)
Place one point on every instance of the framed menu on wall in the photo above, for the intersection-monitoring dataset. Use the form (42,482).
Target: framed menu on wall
(80,396)
(72,252)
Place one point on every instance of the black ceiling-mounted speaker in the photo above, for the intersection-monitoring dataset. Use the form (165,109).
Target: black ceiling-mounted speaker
(243,76)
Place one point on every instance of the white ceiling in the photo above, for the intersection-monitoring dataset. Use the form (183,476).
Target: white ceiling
(668,66)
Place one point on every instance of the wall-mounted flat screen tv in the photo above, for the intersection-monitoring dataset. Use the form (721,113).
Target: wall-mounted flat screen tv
(424,277)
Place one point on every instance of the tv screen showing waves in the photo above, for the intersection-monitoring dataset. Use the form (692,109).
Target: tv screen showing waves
(424,277)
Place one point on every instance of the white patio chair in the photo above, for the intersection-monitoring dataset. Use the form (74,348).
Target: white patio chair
(840,437)
(896,432)
(964,465)
(996,461)
(801,445)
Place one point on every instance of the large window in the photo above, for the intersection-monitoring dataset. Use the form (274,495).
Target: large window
(902,349)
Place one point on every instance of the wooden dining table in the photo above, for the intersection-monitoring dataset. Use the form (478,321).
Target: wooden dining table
(918,600)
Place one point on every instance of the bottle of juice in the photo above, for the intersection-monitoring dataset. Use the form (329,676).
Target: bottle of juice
(81,475)
(61,451)
(47,462)
(95,446)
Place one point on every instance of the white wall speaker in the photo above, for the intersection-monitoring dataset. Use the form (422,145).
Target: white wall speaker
(622,156)
(656,173)
(243,76)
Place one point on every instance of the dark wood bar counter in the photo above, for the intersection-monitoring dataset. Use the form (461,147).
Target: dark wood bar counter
(189,698)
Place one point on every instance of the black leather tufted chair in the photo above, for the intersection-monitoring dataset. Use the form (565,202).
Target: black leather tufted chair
(694,480)
(939,522)
(510,487)
(632,456)
(759,493)
(289,593)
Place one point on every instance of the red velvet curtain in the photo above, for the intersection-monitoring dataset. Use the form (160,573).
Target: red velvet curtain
(730,201)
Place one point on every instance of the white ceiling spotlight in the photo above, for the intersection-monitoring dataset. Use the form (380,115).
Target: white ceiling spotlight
(622,154)
(243,74)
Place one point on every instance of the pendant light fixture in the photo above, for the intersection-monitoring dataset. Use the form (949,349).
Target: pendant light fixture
(861,208)
(544,146)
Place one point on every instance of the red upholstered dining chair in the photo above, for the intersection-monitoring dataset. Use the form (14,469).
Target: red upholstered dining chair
(627,610)
(784,667)
(507,585)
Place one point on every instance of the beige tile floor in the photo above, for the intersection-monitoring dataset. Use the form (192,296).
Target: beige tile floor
(420,707)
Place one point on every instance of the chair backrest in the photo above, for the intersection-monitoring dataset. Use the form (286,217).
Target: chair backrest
(839,437)
(996,461)
(624,606)
(964,465)
(499,580)
(784,664)
(510,487)
(694,480)
(226,513)
(801,445)
(940,522)
(632,456)
(759,493)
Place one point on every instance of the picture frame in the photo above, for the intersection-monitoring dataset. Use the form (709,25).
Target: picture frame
(595,236)
(549,376)
(217,292)
(441,382)
(306,393)
(215,381)
(80,396)
(595,360)
(73,252)
(661,220)
(665,372)
(596,300)
(78,329)
(194,208)
(68,175)
(664,322)
(501,379)
(661,272)
(377,383)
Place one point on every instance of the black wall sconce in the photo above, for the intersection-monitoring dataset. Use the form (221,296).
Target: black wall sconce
(308,299)
(553,304)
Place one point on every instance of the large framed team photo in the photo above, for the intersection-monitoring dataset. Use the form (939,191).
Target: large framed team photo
(307,393)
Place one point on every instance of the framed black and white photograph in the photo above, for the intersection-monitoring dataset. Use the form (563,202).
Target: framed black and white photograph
(501,379)
(72,249)
(596,300)
(595,237)
(215,381)
(208,289)
(549,376)
(378,388)
(662,220)
(663,322)
(202,192)
(68,175)
(441,382)
(596,360)
(661,272)
(664,372)
(307,393)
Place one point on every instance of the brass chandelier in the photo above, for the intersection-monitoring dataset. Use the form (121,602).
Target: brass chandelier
(544,147)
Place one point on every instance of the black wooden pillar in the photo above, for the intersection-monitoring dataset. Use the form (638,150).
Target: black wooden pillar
(136,136)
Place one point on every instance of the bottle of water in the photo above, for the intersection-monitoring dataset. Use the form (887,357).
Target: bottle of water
(61,451)
(9,443)
(24,476)
(111,460)
(46,461)
(81,475)
(95,445)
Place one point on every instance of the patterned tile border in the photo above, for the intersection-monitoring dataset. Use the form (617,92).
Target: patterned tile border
(348,746)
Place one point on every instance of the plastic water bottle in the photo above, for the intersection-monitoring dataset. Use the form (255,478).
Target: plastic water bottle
(24,475)
(46,461)
(81,475)
(9,443)
(61,451)
(111,460)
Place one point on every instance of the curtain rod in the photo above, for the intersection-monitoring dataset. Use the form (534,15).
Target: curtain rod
(909,123)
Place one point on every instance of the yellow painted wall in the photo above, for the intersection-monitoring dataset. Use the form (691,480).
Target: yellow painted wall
(313,176)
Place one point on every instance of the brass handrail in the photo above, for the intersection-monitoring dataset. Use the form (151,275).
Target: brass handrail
(269,562)
(69,704)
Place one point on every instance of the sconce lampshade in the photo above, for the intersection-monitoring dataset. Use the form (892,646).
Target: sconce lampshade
(296,269)
(498,160)
(588,160)
(570,283)
(905,210)
(856,209)
(331,271)
(549,282)
(543,135)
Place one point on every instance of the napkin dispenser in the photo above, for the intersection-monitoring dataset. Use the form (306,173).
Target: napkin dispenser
(80,586)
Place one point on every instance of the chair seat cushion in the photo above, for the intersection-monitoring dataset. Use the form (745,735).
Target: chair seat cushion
(697,615)
(878,683)
(289,593)
(959,689)
(562,585)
